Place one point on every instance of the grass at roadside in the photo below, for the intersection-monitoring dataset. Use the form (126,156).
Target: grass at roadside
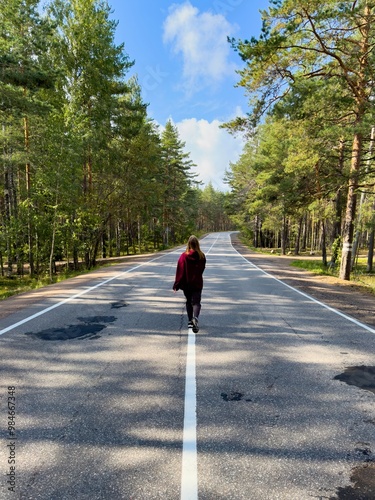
(359,275)
(18,284)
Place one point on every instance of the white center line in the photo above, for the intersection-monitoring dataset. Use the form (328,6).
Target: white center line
(189,476)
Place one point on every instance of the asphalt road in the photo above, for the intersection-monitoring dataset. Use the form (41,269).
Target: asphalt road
(100,380)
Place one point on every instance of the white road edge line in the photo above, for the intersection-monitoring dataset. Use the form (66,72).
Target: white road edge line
(189,473)
(58,304)
(339,313)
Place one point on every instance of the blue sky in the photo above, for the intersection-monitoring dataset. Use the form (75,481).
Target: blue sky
(186,69)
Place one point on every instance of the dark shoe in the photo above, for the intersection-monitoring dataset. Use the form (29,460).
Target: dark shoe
(190,324)
(195,325)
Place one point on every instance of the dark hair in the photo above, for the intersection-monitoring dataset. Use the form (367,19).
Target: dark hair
(193,244)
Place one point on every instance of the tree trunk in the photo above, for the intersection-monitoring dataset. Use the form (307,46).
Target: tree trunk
(51,259)
(336,229)
(361,93)
(256,232)
(284,236)
(298,238)
(370,255)
(351,204)
(95,249)
(104,245)
(118,239)
(313,235)
(304,233)
(9,245)
(324,244)
(361,202)
(139,233)
(75,256)
(28,195)
(87,259)
(110,235)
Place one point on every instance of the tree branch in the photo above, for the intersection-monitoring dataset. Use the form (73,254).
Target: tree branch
(333,55)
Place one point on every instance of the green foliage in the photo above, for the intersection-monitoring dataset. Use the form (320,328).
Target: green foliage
(177,182)
(86,172)
(19,284)
(213,210)
(309,77)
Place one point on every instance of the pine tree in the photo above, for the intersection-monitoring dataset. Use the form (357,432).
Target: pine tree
(93,84)
(177,180)
(304,40)
(24,44)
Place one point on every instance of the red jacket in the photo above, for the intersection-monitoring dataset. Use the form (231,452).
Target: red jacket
(189,271)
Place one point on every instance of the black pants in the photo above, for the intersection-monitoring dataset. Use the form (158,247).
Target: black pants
(193,303)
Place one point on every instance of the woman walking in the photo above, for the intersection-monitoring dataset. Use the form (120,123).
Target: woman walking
(189,279)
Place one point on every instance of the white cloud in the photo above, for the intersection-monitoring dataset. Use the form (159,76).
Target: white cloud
(211,149)
(201,38)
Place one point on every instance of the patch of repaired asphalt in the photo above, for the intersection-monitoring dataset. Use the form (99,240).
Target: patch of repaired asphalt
(363,488)
(118,305)
(360,376)
(98,319)
(233,396)
(87,329)
(363,477)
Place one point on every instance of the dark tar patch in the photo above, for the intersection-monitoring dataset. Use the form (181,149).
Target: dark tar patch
(87,329)
(360,376)
(233,396)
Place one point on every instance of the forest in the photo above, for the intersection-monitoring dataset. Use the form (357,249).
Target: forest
(85,172)
(306,178)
